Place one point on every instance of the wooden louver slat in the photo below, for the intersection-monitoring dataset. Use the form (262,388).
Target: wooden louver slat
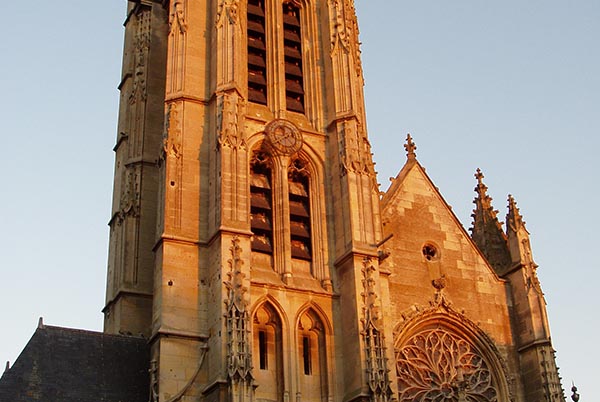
(294,87)
(260,200)
(293,69)
(256,78)
(255,8)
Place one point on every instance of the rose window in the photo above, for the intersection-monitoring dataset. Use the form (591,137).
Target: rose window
(438,366)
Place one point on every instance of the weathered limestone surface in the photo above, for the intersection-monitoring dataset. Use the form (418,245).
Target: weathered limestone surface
(350,288)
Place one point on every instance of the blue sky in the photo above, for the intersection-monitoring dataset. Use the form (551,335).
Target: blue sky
(511,87)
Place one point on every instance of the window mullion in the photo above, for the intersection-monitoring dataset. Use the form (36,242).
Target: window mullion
(281,222)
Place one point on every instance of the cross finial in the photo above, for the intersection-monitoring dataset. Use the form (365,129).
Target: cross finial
(512,204)
(575,396)
(410,147)
(481,188)
(479,176)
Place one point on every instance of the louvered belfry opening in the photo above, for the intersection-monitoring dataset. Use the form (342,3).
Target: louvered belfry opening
(261,205)
(294,83)
(257,52)
(300,211)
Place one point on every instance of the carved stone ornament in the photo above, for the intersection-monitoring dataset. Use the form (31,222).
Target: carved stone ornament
(130,194)
(340,37)
(154,395)
(177,16)
(142,47)
(375,350)
(440,358)
(410,148)
(355,151)
(229,9)
(231,108)
(345,33)
(239,354)
(284,137)
(171,146)
(438,365)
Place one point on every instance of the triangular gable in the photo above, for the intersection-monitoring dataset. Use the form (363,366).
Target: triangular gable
(432,254)
(411,181)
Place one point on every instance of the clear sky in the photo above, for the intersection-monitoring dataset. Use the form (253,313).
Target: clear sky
(511,87)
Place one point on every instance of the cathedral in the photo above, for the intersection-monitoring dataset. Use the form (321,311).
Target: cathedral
(253,257)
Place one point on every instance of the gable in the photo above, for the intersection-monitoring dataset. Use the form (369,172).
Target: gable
(428,244)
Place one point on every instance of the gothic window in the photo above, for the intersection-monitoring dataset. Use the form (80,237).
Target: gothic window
(257,52)
(437,364)
(299,199)
(262,53)
(261,201)
(292,49)
(312,357)
(268,353)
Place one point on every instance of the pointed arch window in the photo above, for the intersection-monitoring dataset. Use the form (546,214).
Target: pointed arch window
(312,357)
(257,52)
(268,353)
(299,201)
(261,53)
(292,49)
(261,202)
(282,215)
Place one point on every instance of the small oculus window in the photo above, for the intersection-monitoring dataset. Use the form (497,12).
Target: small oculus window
(430,252)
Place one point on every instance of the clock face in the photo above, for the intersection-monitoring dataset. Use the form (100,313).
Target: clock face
(284,137)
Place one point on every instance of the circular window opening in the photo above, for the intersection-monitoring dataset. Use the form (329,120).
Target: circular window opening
(430,252)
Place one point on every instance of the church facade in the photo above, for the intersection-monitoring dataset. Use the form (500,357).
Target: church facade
(250,244)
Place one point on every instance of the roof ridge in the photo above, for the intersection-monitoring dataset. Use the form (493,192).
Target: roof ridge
(90,332)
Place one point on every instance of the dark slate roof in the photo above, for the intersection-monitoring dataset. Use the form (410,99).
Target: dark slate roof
(69,365)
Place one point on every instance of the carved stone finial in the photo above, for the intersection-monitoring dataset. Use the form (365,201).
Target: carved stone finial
(513,218)
(239,352)
(378,377)
(481,189)
(410,147)
(575,396)
(479,176)
(41,323)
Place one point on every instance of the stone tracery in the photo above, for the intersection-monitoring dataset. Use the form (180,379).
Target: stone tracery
(443,356)
(438,365)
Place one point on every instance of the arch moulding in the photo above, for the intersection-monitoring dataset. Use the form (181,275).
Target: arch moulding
(440,352)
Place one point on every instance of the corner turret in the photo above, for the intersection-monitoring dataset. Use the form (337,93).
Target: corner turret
(529,313)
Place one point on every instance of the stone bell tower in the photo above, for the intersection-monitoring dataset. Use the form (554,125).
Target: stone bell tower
(246,222)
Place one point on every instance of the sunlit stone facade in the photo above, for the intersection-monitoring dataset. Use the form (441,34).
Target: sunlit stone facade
(250,244)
